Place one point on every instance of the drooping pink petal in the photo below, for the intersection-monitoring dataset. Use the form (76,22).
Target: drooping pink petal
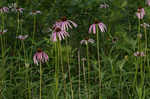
(90,29)
(148,2)
(94,28)
(74,24)
(91,40)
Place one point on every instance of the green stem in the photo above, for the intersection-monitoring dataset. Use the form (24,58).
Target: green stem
(2,40)
(87,53)
(62,69)
(98,58)
(145,59)
(85,79)
(40,80)
(79,72)
(34,28)
(56,70)
(68,64)
(18,23)
(135,77)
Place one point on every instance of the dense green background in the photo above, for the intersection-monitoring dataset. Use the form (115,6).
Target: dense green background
(117,60)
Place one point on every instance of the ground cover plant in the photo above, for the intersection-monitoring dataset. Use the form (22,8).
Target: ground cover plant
(74,49)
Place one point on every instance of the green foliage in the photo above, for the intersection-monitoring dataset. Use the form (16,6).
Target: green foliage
(123,75)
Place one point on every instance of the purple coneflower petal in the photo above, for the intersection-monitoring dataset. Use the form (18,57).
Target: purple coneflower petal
(74,24)
(94,28)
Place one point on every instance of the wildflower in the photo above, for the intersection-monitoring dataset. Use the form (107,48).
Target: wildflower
(87,40)
(4,9)
(83,59)
(65,24)
(3,31)
(139,54)
(22,37)
(139,35)
(14,8)
(40,56)
(148,2)
(20,10)
(12,5)
(140,13)
(57,24)
(145,25)
(35,12)
(104,5)
(58,33)
(101,26)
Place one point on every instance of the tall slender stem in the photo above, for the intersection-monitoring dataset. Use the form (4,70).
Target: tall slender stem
(34,28)
(2,39)
(61,59)
(79,72)
(40,80)
(84,74)
(88,63)
(56,70)
(18,23)
(98,58)
(68,64)
(146,58)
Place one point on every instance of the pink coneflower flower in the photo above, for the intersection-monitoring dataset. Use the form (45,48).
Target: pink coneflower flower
(22,37)
(145,25)
(83,59)
(20,10)
(140,13)
(65,24)
(12,5)
(101,26)
(40,56)
(139,54)
(57,24)
(14,8)
(148,2)
(104,5)
(87,40)
(35,12)
(58,33)
(3,31)
(4,9)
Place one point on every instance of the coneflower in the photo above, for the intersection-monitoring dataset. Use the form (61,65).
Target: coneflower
(104,5)
(101,26)
(35,12)
(22,37)
(4,9)
(148,2)
(140,13)
(58,34)
(65,24)
(145,25)
(15,8)
(87,40)
(40,57)
(137,54)
(94,28)
(20,10)
(3,31)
